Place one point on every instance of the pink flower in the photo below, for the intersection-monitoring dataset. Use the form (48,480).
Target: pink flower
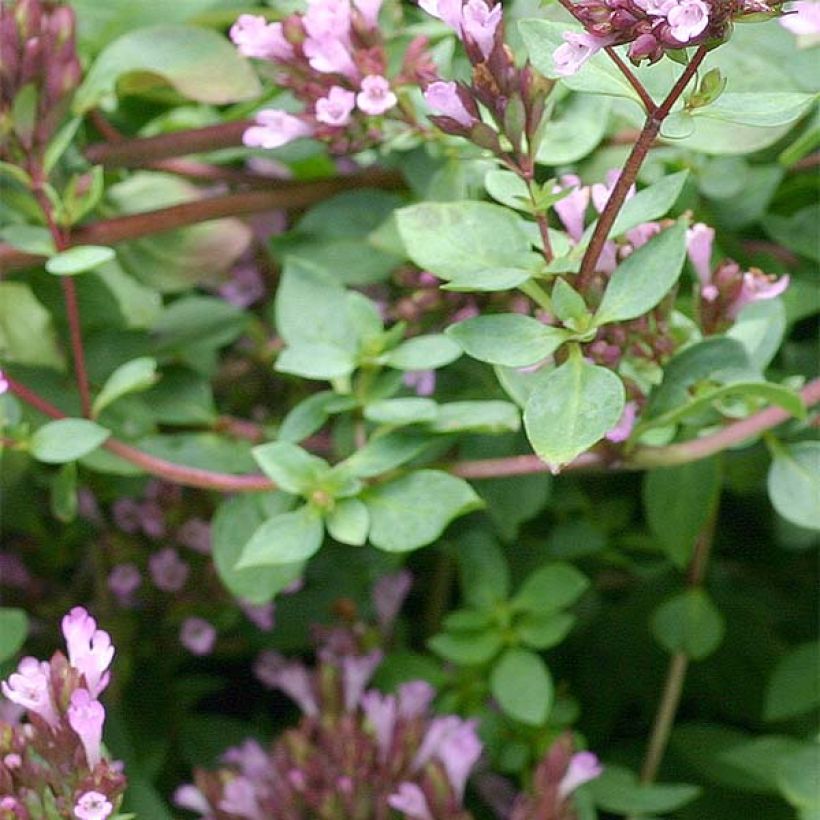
(291,677)
(196,534)
(389,593)
(381,714)
(197,636)
(369,10)
(479,22)
(336,107)
(191,798)
(699,241)
(86,717)
(688,19)
(448,11)
(458,751)
(274,129)
(443,98)
(168,571)
(239,797)
(255,37)
(250,758)
(601,191)
(623,429)
(572,209)
(804,19)
(4,384)
(414,698)
(93,806)
(756,287)
(656,8)
(328,19)
(641,234)
(261,615)
(578,47)
(89,649)
(329,55)
(583,767)
(30,687)
(124,580)
(422,381)
(356,673)
(410,800)
(375,97)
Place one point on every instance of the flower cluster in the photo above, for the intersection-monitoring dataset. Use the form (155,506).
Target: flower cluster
(334,61)
(513,97)
(55,766)
(649,27)
(355,753)
(39,70)
(725,290)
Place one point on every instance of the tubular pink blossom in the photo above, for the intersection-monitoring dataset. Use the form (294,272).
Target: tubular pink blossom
(255,37)
(479,22)
(583,767)
(190,797)
(458,752)
(623,429)
(93,806)
(578,47)
(448,11)
(375,97)
(30,688)
(369,10)
(572,209)
(804,19)
(699,241)
(414,698)
(757,287)
(328,19)
(274,129)
(89,649)
(381,714)
(688,19)
(356,673)
(336,107)
(86,717)
(443,98)
(410,800)
(330,55)
(197,636)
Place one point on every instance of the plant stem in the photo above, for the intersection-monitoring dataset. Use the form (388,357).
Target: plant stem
(646,99)
(731,435)
(287,195)
(69,295)
(633,164)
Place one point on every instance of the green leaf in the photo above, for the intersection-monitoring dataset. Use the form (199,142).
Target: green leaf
(233,525)
(544,630)
(467,648)
(508,339)
(484,574)
(26,333)
(760,327)
(550,588)
(794,687)
(456,239)
(567,304)
(477,416)
(66,440)
(618,790)
(293,469)
(689,623)
(316,361)
(199,64)
(414,410)
(653,202)
(487,280)
(198,320)
(384,453)
(412,511)
(760,108)
(349,522)
(13,631)
(522,685)
(79,259)
(131,377)
(284,539)
(571,409)
(798,780)
(423,353)
(29,239)
(644,278)
(678,502)
(794,483)
(574,130)
(64,493)
(310,414)
(467,620)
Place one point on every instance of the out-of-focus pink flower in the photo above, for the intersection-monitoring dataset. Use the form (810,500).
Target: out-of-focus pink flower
(389,593)
(274,129)
(191,798)
(168,571)
(195,534)
(239,797)
(13,572)
(30,688)
(329,55)
(289,676)
(124,580)
(244,287)
(375,97)
(93,806)
(756,287)
(601,191)
(448,11)
(699,241)
(381,713)
(803,19)
(261,615)
(197,636)
(479,22)
(369,10)
(578,47)
(414,698)
(4,384)
(623,429)
(89,649)
(250,758)
(422,381)
(444,99)
(86,717)
(328,18)
(356,673)
(641,234)
(410,800)
(583,767)
(572,208)
(267,666)
(127,515)
(687,19)
(458,751)
(254,36)
(335,109)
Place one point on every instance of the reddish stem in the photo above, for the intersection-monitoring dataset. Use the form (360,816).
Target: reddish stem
(648,102)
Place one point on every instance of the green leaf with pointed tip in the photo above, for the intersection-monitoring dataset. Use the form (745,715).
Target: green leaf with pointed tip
(314,360)
(423,353)
(413,410)
(689,623)
(650,203)
(199,63)
(384,453)
(455,239)
(644,277)
(412,511)
(572,408)
(488,280)
(551,588)
(26,332)
(293,469)
(59,442)
(349,522)
(794,483)
(522,685)
(508,339)
(131,377)
(477,416)
(467,648)
(794,687)
(618,790)
(284,539)
(544,630)
(29,239)
(13,631)
(79,259)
